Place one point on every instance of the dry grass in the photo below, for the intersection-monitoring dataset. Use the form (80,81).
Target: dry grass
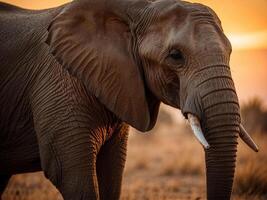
(251,175)
(32,186)
(167,164)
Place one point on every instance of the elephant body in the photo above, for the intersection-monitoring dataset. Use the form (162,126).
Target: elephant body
(73,78)
(19,69)
(45,112)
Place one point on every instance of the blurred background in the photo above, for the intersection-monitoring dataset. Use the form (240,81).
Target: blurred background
(168,163)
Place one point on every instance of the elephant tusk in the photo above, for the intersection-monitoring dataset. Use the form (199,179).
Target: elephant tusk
(247,139)
(196,128)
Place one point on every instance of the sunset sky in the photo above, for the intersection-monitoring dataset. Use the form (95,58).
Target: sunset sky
(245,24)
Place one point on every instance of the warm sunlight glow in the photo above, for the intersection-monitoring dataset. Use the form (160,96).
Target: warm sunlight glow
(248,40)
(36,4)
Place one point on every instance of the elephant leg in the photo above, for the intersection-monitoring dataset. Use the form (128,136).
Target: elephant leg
(71,126)
(72,169)
(110,164)
(3,183)
(67,146)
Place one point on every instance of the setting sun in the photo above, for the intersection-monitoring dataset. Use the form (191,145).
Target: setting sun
(248,40)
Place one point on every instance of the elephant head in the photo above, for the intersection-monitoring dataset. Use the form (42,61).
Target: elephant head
(134,54)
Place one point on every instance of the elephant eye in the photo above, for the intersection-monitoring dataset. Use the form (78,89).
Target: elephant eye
(175,57)
(176,54)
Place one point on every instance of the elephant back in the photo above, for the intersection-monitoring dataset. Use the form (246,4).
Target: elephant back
(20,27)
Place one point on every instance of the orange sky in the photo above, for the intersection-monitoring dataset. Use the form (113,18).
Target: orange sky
(245,24)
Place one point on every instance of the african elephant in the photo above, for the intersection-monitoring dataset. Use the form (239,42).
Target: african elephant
(73,77)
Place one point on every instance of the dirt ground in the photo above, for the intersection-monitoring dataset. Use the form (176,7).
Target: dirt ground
(166,164)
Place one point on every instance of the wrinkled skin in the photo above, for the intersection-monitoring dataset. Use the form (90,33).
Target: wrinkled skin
(73,77)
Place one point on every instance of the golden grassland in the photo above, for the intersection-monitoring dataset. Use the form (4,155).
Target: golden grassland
(166,164)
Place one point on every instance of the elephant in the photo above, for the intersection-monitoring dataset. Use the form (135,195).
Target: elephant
(74,78)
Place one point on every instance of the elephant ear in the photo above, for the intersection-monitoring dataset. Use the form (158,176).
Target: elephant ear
(94,44)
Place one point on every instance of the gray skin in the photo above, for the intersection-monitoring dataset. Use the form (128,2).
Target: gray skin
(73,77)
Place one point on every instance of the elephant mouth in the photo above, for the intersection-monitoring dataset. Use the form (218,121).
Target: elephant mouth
(198,133)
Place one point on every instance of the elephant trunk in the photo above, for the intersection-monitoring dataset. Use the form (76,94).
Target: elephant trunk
(221,120)
(221,157)
(215,103)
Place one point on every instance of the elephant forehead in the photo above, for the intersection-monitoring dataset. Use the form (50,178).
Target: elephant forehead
(165,8)
(172,14)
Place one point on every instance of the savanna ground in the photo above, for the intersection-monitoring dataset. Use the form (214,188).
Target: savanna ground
(166,164)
